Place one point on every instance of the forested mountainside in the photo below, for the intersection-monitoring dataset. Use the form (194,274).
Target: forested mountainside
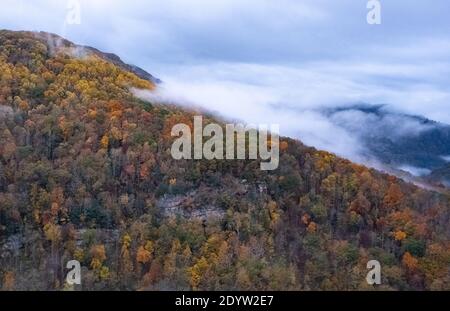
(55,43)
(441,175)
(86,173)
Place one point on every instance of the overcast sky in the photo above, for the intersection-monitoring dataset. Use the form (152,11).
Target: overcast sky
(270,61)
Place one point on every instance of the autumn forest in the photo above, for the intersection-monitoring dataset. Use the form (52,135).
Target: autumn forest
(86,174)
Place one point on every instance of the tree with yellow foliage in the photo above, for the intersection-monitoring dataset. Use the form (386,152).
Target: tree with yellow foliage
(399,235)
(104,142)
(274,213)
(197,271)
(126,263)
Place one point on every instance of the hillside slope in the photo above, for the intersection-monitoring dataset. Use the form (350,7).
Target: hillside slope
(86,173)
(56,43)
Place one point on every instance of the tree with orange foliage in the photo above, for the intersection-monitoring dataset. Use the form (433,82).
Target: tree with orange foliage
(144,253)
(360,205)
(57,199)
(9,281)
(98,254)
(312,227)
(153,274)
(284,145)
(394,196)
(410,262)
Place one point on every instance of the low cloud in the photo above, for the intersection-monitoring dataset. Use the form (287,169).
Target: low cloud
(415,171)
(300,100)
(384,123)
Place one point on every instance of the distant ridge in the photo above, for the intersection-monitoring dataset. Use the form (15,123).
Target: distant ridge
(425,149)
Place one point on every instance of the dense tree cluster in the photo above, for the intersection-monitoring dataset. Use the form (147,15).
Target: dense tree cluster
(86,174)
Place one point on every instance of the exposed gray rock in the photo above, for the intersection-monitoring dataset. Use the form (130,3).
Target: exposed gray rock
(186,207)
(12,246)
(6,111)
(106,236)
